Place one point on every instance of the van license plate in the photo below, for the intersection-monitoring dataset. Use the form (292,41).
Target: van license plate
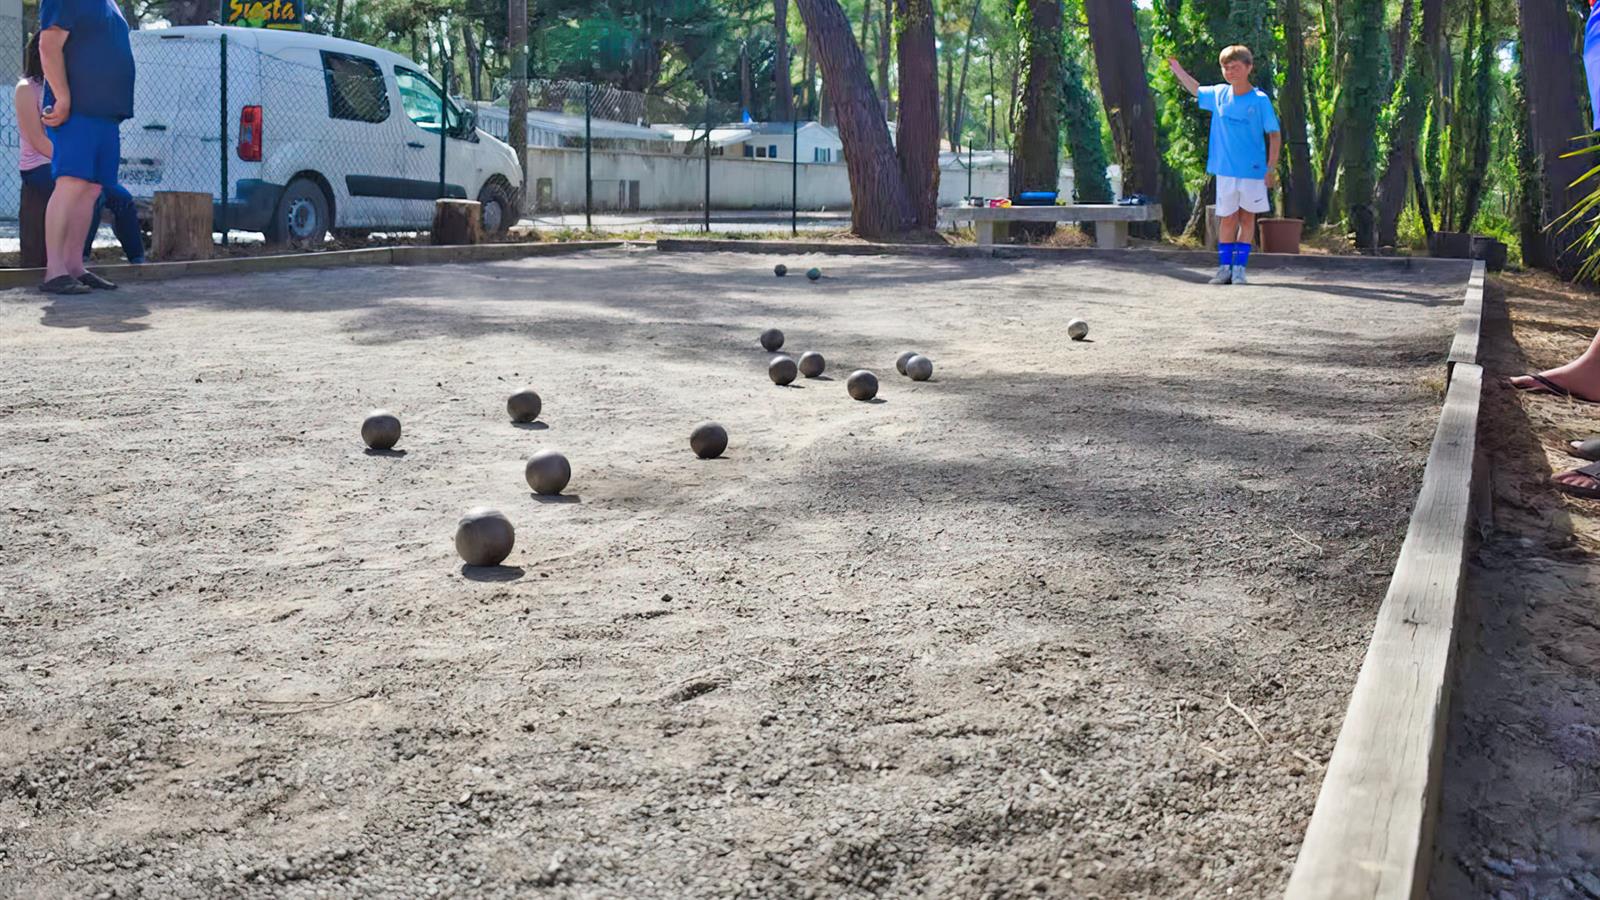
(140,171)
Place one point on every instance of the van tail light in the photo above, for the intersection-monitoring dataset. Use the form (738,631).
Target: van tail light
(250,134)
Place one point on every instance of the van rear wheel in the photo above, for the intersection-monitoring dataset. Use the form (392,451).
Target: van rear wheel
(302,217)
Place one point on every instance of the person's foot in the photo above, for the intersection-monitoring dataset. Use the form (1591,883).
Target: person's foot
(1238,275)
(97,282)
(1562,382)
(1224,276)
(1584,482)
(64,284)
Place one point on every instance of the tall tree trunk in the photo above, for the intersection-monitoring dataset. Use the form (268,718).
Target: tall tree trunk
(1405,128)
(808,91)
(885,21)
(782,89)
(961,86)
(1555,115)
(1400,39)
(1037,132)
(1081,120)
(1530,192)
(1476,153)
(1300,191)
(338,18)
(1125,93)
(948,105)
(918,144)
(866,26)
(746,88)
(880,205)
(517,110)
(1361,90)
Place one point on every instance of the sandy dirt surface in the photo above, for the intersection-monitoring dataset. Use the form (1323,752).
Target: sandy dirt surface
(1072,619)
(1521,805)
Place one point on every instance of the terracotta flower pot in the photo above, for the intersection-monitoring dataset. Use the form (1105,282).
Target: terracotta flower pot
(1280,235)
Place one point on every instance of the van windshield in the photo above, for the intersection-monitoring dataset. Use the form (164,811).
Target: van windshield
(423,102)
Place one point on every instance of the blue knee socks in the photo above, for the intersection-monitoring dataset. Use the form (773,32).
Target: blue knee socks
(1241,255)
(1225,254)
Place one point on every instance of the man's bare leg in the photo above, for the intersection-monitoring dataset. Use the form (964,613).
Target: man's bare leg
(66,226)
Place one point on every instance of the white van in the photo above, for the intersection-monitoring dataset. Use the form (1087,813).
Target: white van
(322,134)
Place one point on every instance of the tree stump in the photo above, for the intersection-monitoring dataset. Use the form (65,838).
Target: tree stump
(181,222)
(457,222)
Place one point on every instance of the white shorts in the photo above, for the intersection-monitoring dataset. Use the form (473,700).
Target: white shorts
(1234,194)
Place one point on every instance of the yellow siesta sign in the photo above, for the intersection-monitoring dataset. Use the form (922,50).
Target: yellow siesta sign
(264,14)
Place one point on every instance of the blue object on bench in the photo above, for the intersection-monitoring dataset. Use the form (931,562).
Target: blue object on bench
(1036,198)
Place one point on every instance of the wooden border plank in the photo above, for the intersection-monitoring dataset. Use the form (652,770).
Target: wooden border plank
(1464,349)
(1141,257)
(1371,834)
(366,256)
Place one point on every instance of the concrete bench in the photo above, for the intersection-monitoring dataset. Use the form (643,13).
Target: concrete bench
(1110,230)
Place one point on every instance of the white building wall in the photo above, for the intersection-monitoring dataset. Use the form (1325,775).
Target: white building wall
(668,182)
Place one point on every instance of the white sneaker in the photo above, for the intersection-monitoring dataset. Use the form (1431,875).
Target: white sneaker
(1238,275)
(1224,275)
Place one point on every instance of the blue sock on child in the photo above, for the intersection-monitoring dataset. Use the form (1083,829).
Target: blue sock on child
(1241,255)
(1225,254)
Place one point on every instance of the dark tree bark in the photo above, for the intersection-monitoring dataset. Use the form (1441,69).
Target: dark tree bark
(1125,93)
(918,145)
(808,88)
(517,110)
(880,205)
(959,105)
(1036,135)
(1555,115)
(1081,120)
(782,89)
(1400,39)
(1481,87)
(1410,111)
(1362,98)
(1530,191)
(1300,191)
(746,88)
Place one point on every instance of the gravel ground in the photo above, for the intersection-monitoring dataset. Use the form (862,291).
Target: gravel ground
(1072,619)
(1521,802)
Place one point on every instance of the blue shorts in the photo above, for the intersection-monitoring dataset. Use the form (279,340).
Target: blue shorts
(87,147)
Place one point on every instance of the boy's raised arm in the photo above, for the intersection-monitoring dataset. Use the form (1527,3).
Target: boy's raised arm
(1188,81)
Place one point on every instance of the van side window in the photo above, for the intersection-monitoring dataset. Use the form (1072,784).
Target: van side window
(419,96)
(355,88)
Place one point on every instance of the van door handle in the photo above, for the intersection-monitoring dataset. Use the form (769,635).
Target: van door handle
(154,126)
(416,145)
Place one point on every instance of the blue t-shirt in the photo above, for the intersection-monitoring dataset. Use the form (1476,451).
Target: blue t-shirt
(99,57)
(1240,124)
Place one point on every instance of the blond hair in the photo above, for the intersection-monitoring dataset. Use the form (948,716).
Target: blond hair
(1236,53)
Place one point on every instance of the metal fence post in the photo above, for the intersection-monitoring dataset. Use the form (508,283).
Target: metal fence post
(707,226)
(222,129)
(794,182)
(444,125)
(588,156)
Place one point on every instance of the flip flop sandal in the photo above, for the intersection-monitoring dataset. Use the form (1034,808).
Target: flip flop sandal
(97,282)
(1586,449)
(1546,386)
(64,284)
(1589,491)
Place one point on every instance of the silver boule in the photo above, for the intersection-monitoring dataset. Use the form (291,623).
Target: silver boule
(812,364)
(900,361)
(1077,329)
(782,370)
(381,429)
(771,340)
(524,405)
(708,440)
(862,385)
(547,472)
(484,537)
(920,368)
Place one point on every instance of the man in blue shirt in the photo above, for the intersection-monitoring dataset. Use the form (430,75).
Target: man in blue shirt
(88,72)
(1243,155)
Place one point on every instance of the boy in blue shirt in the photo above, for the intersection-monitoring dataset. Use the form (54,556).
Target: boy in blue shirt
(1243,155)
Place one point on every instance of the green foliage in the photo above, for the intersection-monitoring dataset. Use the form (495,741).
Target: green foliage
(1080,116)
(1361,90)
(1189,30)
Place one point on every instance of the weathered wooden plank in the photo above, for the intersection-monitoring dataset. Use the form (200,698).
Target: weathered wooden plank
(1464,349)
(1371,834)
(1080,212)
